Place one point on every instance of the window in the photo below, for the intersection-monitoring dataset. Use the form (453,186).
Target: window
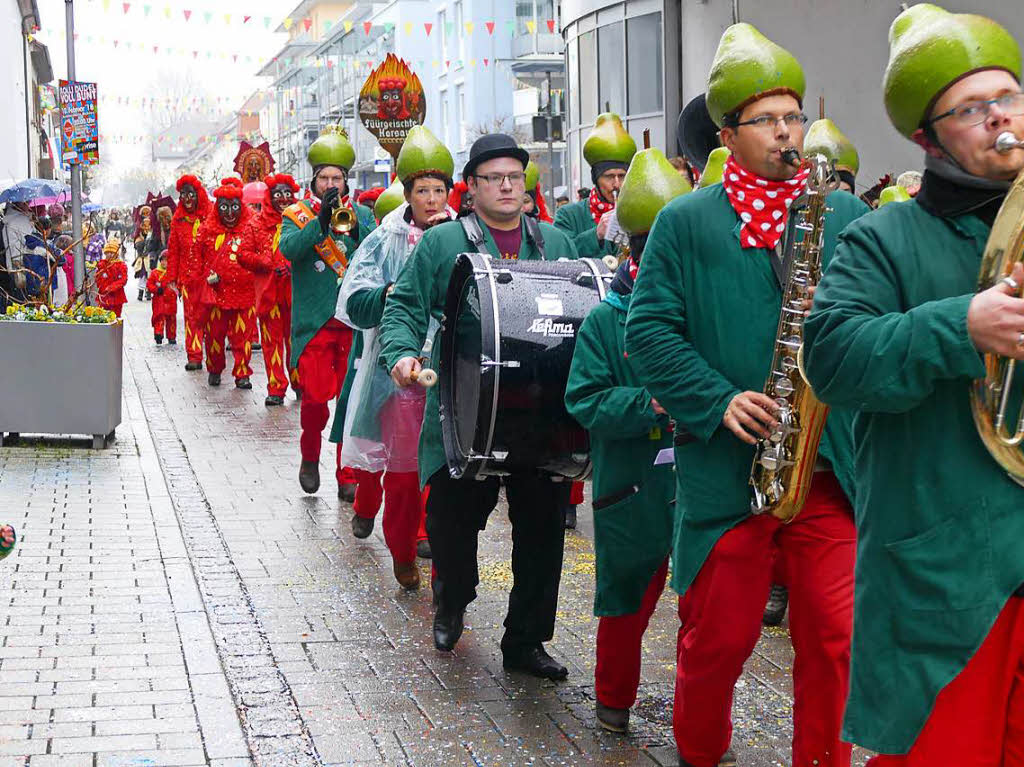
(643,40)
(460,113)
(442,27)
(588,78)
(524,13)
(460,31)
(573,78)
(545,13)
(611,55)
(444,116)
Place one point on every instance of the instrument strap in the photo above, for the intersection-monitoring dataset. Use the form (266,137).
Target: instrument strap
(475,235)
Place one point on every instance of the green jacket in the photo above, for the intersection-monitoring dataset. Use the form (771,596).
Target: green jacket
(314,290)
(420,293)
(575,220)
(338,425)
(939,524)
(632,536)
(701,329)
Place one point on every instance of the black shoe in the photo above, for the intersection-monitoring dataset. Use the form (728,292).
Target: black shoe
(423,549)
(193,366)
(256,346)
(273,400)
(447,628)
(347,492)
(775,609)
(149,296)
(142,293)
(213,379)
(159,339)
(298,395)
(534,661)
(172,341)
(361,526)
(612,719)
(309,476)
(569,517)
(243,383)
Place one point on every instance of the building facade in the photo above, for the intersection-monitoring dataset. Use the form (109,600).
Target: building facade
(645,59)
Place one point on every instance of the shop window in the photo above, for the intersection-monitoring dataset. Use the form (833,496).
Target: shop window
(611,56)
(643,41)
(588,78)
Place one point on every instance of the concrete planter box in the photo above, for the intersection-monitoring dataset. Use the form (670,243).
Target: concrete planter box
(58,378)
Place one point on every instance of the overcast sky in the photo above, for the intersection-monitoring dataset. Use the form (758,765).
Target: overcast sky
(133,70)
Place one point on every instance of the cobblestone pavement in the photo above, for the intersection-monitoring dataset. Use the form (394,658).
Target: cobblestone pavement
(176,600)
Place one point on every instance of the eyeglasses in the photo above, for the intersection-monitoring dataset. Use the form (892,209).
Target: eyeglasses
(976,112)
(763,122)
(515,179)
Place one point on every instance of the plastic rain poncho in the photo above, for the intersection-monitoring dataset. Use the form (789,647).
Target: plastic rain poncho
(382,422)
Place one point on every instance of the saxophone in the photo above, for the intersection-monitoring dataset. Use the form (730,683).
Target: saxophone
(780,477)
(990,396)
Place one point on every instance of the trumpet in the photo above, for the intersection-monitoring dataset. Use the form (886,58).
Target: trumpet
(342,220)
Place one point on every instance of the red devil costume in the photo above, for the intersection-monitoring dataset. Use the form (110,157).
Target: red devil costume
(227,287)
(273,282)
(111,277)
(165,306)
(392,104)
(184,267)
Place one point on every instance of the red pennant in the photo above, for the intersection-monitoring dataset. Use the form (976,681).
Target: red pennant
(195,54)
(490,27)
(330,64)
(551,26)
(366,27)
(115,43)
(245,19)
(234,57)
(428,26)
(307,23)
(485,62)
(447,63)
(188,15)
(155,48)
(126,6)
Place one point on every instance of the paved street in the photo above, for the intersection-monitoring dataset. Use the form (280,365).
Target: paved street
(176,600)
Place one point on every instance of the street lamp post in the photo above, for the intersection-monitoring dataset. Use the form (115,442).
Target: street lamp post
(76,171)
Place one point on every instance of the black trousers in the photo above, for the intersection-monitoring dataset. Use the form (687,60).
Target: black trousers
(457,510)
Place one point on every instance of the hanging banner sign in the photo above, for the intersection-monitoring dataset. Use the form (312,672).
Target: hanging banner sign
(79,125)
(391,102)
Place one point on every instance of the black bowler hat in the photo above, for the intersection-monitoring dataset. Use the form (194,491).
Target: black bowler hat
(696,132)
(490,146)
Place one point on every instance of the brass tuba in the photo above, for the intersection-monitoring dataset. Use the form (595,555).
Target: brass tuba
(343,219)
(783,466)
(990,396)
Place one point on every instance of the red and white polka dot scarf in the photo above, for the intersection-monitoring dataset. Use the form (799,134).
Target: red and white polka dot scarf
(761,204)
(598,207)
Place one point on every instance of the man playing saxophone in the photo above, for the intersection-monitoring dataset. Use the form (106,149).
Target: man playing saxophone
(898,331)
(700,334)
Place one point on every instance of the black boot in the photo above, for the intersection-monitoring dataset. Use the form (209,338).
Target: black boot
(533,660)
(309,476)
(448,625)
(213,379)
(612,719)
(775,609)
(159,339)
(423,549)
(172,341)
(569,517)
(243,383)
(142,294)
(347,492)
(362,526)
(273,400)
(193,366)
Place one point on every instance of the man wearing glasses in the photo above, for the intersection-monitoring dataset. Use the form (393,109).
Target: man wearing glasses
(700,333)
(457,509)
(898,331)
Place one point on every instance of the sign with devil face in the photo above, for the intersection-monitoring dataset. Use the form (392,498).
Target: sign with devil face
(391,102)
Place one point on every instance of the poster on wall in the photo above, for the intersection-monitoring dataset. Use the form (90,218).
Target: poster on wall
(391,102)
(79,124)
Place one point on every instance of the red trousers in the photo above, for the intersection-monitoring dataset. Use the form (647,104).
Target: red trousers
(166,325)
(720,617)
(617,674)
(397,495)
(576,494)
(978,719)
(348,476)
(233,324)
(276,332)
(322,366)
(196,317)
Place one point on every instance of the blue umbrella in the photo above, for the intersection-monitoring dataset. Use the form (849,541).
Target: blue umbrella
(32,188)
(89,207)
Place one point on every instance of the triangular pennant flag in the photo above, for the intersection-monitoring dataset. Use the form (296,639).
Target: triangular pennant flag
(188,15)
(469,27)
(234,57)
(287,22)
(510,26)
(195,54)
(156,48)
(449,28)
(126,6)
(531,26)
(388,26)
(348,26)
(106,5)
(447,63)
(485,62)
(327,25)
(227,18)
(167,11)
(146,9)
(207,15)
(115,43)
(490,27)
(472,63)
(428,26)
(266,22)
(408,27)
(551,26)
(366,27)
(245,19)
(307,23)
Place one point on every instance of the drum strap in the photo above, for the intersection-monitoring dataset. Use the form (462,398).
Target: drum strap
(475,235)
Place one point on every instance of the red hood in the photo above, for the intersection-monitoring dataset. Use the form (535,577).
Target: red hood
(212,225)
(268,214)
(203,205)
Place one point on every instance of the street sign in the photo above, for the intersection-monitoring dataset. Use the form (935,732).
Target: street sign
(79,123)
(391,102)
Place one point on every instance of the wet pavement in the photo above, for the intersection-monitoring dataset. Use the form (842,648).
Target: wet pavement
(176,599)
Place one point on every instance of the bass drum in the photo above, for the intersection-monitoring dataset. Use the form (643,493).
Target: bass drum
(507,340)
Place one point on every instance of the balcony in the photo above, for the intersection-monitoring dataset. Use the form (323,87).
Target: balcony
(538,44)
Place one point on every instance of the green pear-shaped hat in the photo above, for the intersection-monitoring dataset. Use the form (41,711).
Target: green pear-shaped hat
(825,138)
(650,183)
(715,168)
(532,176)
(422,153)
(608,141)
(893,194)
(749,66)
(389,199)
(930,49)
(332,148)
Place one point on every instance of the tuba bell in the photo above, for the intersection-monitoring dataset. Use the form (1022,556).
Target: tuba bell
(343,219)
(991,396)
